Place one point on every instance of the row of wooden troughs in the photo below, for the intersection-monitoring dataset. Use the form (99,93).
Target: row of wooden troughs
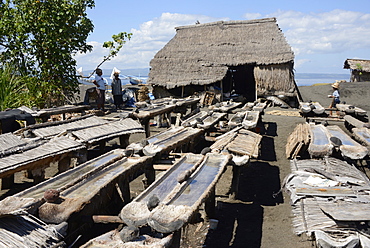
(329,193)
(56,212)
(316,109)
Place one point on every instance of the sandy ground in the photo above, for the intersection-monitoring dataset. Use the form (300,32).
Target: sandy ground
(260,216)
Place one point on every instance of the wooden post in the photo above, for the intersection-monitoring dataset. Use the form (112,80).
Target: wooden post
(64,164)
(124,140)
(124,187)
(149,175)
(7,182)
(145,123)
(102,146)
(222,91)
(182,91)
(235,182)
(210,203)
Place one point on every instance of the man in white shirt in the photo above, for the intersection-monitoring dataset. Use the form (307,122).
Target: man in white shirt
(100,83)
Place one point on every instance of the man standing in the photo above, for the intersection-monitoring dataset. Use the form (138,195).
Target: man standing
(100,83)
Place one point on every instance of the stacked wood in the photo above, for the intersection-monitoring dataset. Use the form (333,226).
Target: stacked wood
(297,140)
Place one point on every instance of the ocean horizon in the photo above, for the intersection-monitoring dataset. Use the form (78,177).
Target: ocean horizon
(302,79)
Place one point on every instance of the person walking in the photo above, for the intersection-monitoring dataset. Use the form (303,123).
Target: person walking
(336,97)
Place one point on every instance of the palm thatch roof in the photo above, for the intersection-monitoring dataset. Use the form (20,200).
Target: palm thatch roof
(357,64)
(201,54)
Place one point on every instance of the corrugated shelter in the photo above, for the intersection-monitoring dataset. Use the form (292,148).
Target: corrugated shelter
(247,57)
(360,69)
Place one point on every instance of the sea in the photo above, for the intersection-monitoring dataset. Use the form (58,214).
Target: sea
(302,79)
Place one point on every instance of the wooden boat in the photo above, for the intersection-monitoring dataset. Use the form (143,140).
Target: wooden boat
(250,119)
(320,144)
(180,206)
(136,213)
(211,120)
(349,148)
(350,109)
(88,195)
(136,80)
(31,198)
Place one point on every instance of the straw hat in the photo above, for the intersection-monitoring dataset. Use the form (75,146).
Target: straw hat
(335,85)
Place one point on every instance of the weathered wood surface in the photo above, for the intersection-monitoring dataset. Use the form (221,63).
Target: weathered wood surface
(193,120)
(250,119)
(10,143)
(88,195)
(59,127)
(350,109)
(349,148)
(362,135)
(136,213)
(328,193)
(24,231)
(352,121)
(305,107)
(211,120)
(317,108)
(39,156)
(179,102)
(178,208)
(260,107)
(245,143)
(223,140)
(299,138)
(236,119)
(46,113)
(151,111)
(33,195)
(276,101)
(107,131)
(113,239)
(320,144)
(227,106)
(172,138)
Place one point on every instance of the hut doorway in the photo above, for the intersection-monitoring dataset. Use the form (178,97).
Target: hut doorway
(241,81)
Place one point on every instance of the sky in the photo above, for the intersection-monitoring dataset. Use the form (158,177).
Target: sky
(322,34)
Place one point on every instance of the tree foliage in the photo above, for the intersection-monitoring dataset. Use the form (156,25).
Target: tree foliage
(40,37)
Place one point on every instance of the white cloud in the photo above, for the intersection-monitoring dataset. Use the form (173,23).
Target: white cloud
(145,43)
(325,33)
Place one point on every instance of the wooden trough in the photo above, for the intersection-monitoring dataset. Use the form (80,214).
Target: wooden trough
(211,120)
(320,144)
(250,119)
(195,119)
(311,107)
(227,106)
(236,119)
(37,159)
(10,144)
(179,206)
(136,213)
(89,195)
(348,148)
(172,138)
(31,198)
(259,106)
(351,110)
(362,135)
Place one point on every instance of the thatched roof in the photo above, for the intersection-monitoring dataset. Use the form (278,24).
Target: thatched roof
(201,54)
(357,64)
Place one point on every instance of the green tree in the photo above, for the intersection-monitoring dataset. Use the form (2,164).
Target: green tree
(39,38)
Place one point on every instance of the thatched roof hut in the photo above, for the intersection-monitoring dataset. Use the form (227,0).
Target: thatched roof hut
(360,69)
(246,57)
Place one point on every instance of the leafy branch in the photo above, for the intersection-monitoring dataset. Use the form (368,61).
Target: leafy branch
(114,47)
